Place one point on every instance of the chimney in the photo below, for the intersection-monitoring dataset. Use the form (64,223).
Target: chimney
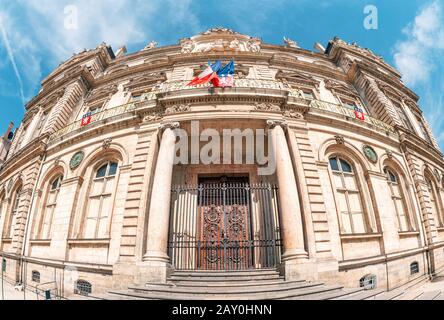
(11,125)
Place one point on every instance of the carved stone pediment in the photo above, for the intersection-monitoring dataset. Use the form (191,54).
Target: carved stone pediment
(220,40)
(297,77)
(339,87)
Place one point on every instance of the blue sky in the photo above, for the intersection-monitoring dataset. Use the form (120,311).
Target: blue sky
(33,39)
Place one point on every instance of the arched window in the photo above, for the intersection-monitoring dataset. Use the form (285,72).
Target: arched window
(348,197)
(414,268)
(47,216)
(82,287)
(398,200)
(12,219)
(433,203)
(35,276)
(100,200)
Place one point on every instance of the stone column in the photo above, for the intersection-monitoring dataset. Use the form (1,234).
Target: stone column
(156,257)
(290,216)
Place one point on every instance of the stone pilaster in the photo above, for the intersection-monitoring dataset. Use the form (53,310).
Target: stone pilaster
(62,111)
(381,106)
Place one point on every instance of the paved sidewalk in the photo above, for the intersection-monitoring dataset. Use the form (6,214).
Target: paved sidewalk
(430,290)
(9,293)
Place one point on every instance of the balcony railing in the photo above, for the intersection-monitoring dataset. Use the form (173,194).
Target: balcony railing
(239,83)
(95,118)
(327,106)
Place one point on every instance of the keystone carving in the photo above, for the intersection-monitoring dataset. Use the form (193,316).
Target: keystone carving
(340,139)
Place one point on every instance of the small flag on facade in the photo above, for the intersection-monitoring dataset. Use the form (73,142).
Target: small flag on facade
(359,114)
(86,119)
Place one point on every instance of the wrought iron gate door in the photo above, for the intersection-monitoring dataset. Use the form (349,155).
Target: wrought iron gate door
(224,226)
(224,240)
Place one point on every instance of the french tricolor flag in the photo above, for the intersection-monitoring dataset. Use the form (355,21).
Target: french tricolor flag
(207,75)
(219,76)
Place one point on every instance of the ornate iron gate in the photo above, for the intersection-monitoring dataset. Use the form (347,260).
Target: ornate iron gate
(224,226)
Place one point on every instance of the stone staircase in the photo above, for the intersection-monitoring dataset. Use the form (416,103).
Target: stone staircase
(234,285)
(258,285)
(254,285)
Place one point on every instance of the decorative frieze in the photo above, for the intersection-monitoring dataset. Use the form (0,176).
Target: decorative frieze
(266,106)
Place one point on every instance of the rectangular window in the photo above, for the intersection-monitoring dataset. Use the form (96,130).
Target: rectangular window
(424,132)
(401,112)
(308,94)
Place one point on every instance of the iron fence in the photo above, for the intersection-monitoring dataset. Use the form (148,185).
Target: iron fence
(225,226)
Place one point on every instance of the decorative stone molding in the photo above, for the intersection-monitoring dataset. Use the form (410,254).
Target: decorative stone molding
(151,45)
(340,139)
(266,106)
(107,144)
(273,123)
(178,109)
(169,125)
(389,154)
(152,117)
(57,161)
(291,43)
(293,115)
(370,154)
(76,160)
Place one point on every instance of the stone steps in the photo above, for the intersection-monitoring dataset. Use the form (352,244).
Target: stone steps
(233,285)
(246,295)
(230,276)
(363,295)
(221,290)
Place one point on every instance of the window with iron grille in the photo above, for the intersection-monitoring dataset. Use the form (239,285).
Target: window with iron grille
(36,276)
(83,288)
(368,282)
(414,268)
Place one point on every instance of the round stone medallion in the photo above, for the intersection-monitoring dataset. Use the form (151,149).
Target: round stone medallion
(76,160)
(370,154)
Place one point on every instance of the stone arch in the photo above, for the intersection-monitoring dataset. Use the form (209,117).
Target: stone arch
(114,150)
(331,146)
(52,172)
(396,165)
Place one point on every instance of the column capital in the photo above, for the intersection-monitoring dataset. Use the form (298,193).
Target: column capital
(169,125)
(275,123)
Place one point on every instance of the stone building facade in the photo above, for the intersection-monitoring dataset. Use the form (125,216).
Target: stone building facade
(103,206)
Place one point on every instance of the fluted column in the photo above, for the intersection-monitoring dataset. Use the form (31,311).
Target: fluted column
(290,216)
(159,213)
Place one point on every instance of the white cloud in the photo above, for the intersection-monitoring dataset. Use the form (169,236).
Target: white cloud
(33,36)
(415,56)
(5,38)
